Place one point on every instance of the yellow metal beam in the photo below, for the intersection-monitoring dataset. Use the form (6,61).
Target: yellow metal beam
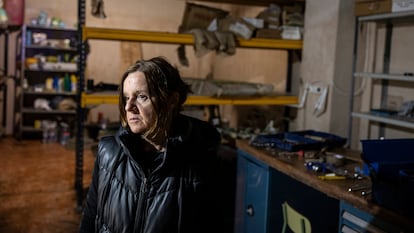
(96,99)
(140,36)
(99,98)
(271,100)
(262,43)
(176,38)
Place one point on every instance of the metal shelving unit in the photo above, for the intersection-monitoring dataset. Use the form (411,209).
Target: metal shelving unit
(389,19)
(36,74)
(188,39)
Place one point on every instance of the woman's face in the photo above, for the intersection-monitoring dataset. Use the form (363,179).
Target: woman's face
(139,110)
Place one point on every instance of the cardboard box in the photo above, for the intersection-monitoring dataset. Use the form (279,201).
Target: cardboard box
(402,5)
(291,33)
(236,25)
(269,33)
(270,17)
(371,7)
(199,16)
(257,23)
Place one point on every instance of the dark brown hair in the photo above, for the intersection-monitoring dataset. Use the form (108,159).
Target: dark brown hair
(165,84)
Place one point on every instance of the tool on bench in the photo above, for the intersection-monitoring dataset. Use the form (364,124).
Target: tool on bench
(331,176)
(358,187)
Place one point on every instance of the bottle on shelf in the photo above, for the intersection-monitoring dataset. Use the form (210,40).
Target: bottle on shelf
(214,115)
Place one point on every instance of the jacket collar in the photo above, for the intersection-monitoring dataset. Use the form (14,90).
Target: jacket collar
(180,133)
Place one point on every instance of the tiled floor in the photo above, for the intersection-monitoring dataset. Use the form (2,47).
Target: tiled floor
(37,191)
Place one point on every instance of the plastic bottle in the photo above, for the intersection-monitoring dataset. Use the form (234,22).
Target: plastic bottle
(214,117)
(56,83)
(101,120)
(73,82)
(66,83)
(64,133)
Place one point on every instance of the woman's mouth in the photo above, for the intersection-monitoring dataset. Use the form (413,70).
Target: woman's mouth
(134,119)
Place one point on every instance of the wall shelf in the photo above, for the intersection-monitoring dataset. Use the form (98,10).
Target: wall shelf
(393,120)
(112,98)
(396,77)
(188,39)
(176,38)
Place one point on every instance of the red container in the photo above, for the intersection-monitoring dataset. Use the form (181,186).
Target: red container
(15,11)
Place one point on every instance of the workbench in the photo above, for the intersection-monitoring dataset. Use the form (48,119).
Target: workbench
(327,203)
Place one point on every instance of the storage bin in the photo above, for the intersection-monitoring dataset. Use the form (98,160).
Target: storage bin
(15,11)
(299,140)
(391,167)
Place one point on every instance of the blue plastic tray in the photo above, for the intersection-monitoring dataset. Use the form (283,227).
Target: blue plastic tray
(299,140)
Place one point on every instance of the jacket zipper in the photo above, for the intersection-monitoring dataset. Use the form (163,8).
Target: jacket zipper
(140,212)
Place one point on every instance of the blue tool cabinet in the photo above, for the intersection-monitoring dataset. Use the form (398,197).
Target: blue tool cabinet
(252,195)
(261,190)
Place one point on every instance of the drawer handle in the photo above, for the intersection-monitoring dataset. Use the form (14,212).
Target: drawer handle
(250,210)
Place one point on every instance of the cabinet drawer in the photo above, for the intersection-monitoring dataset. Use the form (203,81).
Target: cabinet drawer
(352,219)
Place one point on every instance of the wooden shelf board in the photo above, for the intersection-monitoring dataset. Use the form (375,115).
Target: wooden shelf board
(98,98)
(176,38)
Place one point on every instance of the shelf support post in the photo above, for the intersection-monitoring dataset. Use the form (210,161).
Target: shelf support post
(79,109)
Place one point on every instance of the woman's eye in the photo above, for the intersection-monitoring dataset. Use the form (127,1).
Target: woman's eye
(142,98)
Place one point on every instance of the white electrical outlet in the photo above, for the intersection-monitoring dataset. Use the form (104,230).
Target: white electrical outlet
(316,89)
(320,105)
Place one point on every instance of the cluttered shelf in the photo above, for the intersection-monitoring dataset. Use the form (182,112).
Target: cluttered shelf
(396,120)
(177,38)
(188,39)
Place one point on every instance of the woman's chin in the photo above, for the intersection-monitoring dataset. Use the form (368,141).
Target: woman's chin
(136,129)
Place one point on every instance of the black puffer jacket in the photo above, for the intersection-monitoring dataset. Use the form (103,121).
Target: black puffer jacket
(178,196)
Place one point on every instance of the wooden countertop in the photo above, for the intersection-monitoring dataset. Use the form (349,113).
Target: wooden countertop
(293,166)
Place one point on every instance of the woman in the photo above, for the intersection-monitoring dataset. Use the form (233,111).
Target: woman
(157,173)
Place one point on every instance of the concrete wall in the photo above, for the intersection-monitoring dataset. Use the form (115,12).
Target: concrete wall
(327,62)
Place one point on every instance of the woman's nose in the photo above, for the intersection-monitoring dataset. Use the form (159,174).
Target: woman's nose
(130,106)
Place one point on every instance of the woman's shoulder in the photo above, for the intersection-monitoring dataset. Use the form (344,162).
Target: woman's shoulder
(108,141)
(199,129)
(108,149)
